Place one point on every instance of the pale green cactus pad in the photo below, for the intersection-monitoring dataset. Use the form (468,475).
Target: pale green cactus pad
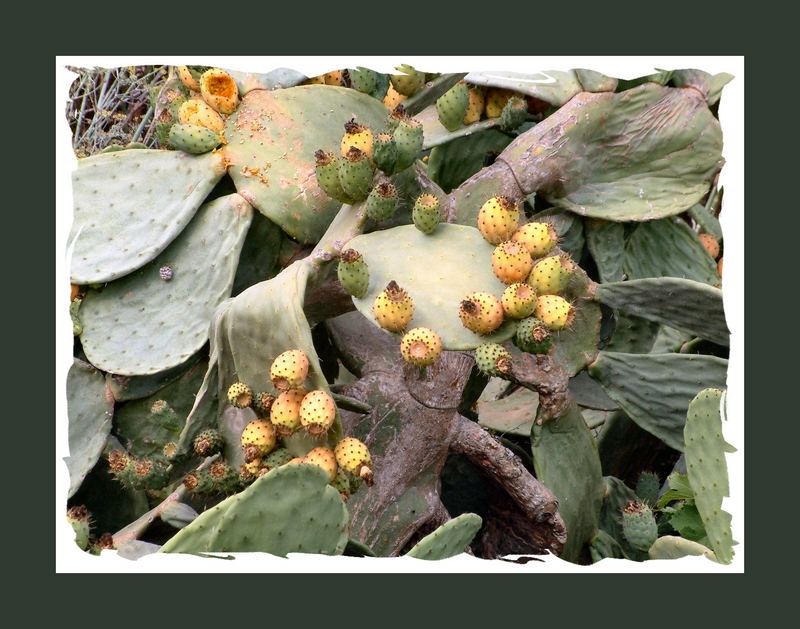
(513,414)
(129,205)
(141,324)
(449,540)
(674,547)
(555,87)
(606,242)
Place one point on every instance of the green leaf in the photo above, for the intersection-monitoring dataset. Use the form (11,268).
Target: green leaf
(685,518)
(679,489)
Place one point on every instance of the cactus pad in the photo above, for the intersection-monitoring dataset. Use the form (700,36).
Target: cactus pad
(449,540)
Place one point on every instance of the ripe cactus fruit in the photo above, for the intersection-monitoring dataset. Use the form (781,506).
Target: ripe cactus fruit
(81,522)
(538,238)
(408,138)
(355,174)
(409,82)
(533,336)
(325,459)
(276,458)
(519,300)
(385,153)
(327,171)
(711,245)
(511,262)
(194,139)
(356,135)
(262,403)
(496,99)
(554,311)
(475,105)
(258,439)
(393,98)
(493,359)
(452,106)
(334,78)
(196,112)
(289,370)
(481,312)
(317,412)
(719,267)
(426,215)
(188,78)
(498,219)
(249,470)
(514,113)
(285,411)
(219,90)
(382,202)
(353,272)
(208,443)
(353,457)
(421,347)
(551,275)
(393,308)
(240,395)
(639,525)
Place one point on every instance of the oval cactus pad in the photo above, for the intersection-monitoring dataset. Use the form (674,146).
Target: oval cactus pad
(438,271)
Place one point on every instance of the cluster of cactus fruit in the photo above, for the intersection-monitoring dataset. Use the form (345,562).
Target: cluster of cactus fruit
(507,271)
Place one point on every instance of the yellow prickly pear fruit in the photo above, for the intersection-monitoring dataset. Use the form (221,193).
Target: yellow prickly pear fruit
(511,262)
(219,90)
(538,238)
(353,457)
(285,411)
(185,75)
(551,275)
(258,439)
(554,311)
(498,219)
(323,458)
(711,244)
(496,99)
(356,135)
(475,105)
(519,301)
(240,395)
(315,80)
(289,370)
(481,312)
(317,413)
(393,308)
(393,98)
(421,347)
(196,112)
(334,78)
(719,266)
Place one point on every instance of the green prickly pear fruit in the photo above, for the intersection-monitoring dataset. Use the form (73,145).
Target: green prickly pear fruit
(353,457)
(639,525)
(327,171)
(498,219)
(263,403)
(647,488)
(426,215)
(353,272)
(170,451)
(551,275)
(77,326)
(289,370)
(514,113)
(248,471)
(165,416)
(481,312)
(538,238)
(317,413)
(393,308)
(363,79)
(355,174)
(382,202)
(258,439)
(396,114)
(219,90)
(276,458)
(325,459)
(150,474)
(200,483)
(533,336)
(81,521)
(342,484)
(196,112)
(285,411)
(409,82)
(408,138)
(519,300)
(385,153)
(240,395)
(554,311)
(493,359)
(193,139)
(421,347)
(511,262)
(356,135)
(208,443)
(452,106)
(224,479)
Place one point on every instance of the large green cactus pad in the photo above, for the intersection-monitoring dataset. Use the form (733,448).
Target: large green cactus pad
(655,389)
(684,304)
(272,138)
(707,470)
(129,205)
(555,87)
(290,509)
(513,414)
(276,79)
(438,271)
(606,242)
(674,547)
(449,540)
(90,408)
(709,85)
(141,324)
